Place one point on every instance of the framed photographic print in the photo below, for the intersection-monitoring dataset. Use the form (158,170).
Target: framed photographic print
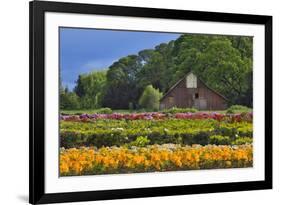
(140,102)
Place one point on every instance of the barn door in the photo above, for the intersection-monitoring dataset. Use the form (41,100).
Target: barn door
(200,104)
(196,104)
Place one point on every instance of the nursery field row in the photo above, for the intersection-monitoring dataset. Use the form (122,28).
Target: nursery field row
(167,157)
(142,132)
(160,116)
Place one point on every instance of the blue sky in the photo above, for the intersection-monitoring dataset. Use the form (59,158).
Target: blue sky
(85,50)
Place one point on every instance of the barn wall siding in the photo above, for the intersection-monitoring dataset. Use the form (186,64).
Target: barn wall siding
(183,97)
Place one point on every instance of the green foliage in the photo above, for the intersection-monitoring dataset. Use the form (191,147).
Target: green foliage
(242,140)
(140,142)
(89,111)
(174,110)
(234,129)
(219,140)
(157,67)
(222,67)
(119,132)
(105,110)
(69,100)
(237,109)
(121,83)
(150,98)
(90,88)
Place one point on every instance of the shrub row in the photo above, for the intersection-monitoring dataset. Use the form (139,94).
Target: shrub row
(112,132)
(175,110)
(238,108)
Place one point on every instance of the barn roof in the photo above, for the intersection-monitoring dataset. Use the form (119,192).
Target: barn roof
(175,85)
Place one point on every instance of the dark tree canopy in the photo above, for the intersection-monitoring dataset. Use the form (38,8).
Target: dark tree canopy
(121,83)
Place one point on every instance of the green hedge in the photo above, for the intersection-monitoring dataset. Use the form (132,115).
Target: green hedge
(238,109)
(219,140)
(119,132)
(174,110)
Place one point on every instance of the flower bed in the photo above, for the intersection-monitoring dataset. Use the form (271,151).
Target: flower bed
(168,157)
(159,116)
(178,131)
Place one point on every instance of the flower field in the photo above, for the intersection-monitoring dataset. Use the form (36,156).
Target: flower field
(148,142)
(157,115)
(167,157)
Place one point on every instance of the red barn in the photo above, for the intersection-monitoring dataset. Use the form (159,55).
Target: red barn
(191,92)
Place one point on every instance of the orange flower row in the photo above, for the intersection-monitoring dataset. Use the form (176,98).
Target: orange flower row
(109,160)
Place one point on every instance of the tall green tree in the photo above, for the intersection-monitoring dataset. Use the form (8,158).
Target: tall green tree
(121,82)
(150,99)
(158,67)
(90,88)
(68,100)
(223,68)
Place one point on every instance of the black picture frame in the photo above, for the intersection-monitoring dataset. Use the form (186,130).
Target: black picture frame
(37,10)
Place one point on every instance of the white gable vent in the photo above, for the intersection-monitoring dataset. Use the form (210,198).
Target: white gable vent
(191,81)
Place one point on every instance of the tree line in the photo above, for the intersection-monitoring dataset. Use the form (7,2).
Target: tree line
(222,62)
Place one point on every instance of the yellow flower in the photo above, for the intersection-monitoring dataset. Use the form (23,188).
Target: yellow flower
(112,160)
(64,168)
